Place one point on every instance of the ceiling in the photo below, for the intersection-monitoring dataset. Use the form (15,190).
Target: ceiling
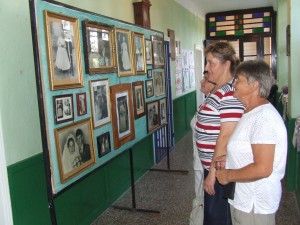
(202,7)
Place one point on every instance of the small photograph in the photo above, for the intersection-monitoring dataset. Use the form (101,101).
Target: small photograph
(148,52)
(163,111)
(158,51)
(124,52)
(100,99)
(63,108)
(139,52)
(138,99)
(152,116)
(123,114)
(103,143)
(149,73)
(81,104)
(149,88)
(159,83)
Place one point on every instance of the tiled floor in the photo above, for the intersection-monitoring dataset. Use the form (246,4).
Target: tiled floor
(171,194)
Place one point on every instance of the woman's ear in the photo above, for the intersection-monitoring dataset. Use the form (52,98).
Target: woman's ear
(228,64)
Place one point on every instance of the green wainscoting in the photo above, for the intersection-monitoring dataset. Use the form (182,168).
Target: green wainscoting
(293,162)
(84,201)
(28,192)
(184,109)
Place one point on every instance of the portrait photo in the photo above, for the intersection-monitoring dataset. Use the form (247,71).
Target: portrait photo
(138,99)
(149,88)
(163,111)
(159,83)
(158,51)
(152,116)
(81,104)
(124,52)
(75,148)
(63,48)
(149,73)
(100,55)
(63,108)
(139,51)
(122,114)
(148,52)
(103,143)
(100,101)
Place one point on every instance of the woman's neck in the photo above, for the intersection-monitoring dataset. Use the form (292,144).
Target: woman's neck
(255,103)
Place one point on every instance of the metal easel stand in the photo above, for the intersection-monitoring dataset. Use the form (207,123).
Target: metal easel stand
(134,208)
(168,170)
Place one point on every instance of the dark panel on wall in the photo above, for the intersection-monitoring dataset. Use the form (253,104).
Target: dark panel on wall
(83,202)
(183,109)
(143,150)
(190,108)
(28,191)
(291,158)
(179,118)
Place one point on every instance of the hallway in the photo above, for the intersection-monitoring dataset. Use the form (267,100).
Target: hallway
(171,193)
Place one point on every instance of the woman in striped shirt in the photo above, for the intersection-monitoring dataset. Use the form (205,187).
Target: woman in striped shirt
(216,119)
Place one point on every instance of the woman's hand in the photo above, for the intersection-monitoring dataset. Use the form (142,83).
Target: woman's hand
(209,183)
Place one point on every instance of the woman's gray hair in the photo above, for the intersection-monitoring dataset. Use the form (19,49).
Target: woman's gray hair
(257,70)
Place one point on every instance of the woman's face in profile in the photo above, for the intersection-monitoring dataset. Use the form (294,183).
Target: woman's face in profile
(214,67)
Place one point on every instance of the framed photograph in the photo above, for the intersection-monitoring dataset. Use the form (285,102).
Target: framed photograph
(177,48)
(149,73)
(122,114)
(100,101)
(159,83)
(149,52)
(139,53)
(138,99)
(163,111)
(158,52)
(99,51)
(75,149)
(171,35)
(149,88)
(81,104)
(63,108)
(63,49)
(124,52)
(103,143)
(152,115)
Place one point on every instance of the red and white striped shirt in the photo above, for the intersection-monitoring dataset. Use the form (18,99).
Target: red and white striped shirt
(219,107)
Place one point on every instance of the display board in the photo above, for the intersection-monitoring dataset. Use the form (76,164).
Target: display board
(101,87)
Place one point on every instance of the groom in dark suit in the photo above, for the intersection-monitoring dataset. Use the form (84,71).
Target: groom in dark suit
(84,149)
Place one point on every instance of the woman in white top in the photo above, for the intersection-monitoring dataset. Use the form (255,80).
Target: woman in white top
(256,151)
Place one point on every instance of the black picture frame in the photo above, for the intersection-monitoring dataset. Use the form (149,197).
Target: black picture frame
(63,106)
(149,88)
(103,144)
